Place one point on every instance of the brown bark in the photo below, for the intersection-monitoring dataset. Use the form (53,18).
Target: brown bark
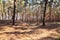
(50,9)
(44,12)
(13,18)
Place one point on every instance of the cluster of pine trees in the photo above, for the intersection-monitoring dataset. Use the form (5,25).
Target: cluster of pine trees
(29,10)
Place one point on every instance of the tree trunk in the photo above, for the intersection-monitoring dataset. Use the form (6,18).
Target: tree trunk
(13,17)
(2,16)
(8,13)
(44,12)
(50,5)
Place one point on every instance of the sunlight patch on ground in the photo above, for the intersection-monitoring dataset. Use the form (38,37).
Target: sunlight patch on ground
(26,32)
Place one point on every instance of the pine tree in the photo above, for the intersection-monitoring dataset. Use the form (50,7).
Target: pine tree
(44,12)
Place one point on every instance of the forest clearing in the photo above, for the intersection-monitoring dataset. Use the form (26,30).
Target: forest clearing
(29,19)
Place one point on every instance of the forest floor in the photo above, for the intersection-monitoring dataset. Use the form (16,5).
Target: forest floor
(24,31)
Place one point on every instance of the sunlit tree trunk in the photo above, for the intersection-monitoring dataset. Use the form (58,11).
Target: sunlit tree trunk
(2,15)
(4,9)
(50,8)
(37,14)
(8,13)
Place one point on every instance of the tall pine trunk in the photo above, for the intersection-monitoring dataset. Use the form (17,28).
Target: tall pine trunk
(13,17)
(44,12)
(50,5)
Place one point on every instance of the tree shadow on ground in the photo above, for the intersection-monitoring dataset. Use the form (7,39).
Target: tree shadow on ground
(52,26)
(5,22)
(48,38)
(49,26)
(8,22)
